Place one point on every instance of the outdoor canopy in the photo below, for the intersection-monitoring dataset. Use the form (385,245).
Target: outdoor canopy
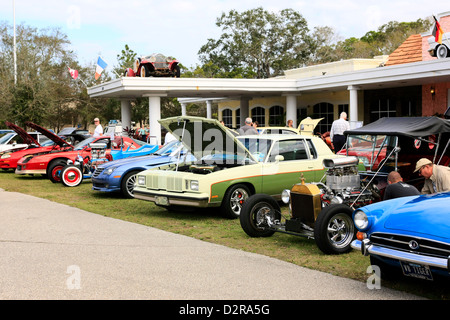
(404,126)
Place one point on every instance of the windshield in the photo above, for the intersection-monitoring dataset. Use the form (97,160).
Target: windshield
(4,138)
(258,148)
(370,149)
(168,148)
(84,143)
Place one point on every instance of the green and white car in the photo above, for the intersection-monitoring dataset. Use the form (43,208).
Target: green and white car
(230,168)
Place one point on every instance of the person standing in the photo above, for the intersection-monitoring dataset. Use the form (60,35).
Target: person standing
(337,132)
(247,129)
(437,177)
(397,188)
(98,128)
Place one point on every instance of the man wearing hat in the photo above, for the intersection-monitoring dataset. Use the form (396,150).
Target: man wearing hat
(437,177)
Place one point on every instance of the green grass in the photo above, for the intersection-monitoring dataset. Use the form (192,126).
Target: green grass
(208,225)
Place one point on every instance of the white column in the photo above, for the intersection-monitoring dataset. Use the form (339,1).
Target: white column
(291,109)
(208,109)
(244,107)
(154,112)
(183,109)
(353,107)
(125,111)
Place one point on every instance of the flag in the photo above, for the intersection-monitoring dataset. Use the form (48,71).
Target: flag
(101,65)
(437,31)
(73,73)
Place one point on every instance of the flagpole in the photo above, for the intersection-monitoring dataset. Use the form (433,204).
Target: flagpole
(15,54)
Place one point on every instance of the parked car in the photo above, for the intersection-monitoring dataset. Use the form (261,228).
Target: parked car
(74,135)
(120,175)
(439,50)
(306,127)
(155,65)
(322,210)
(408,236)
(9,159)
(20,139)
(230,168)
(52,163)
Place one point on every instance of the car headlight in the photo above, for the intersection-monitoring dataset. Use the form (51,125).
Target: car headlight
(141,180)
(110,170)
(361,220)
(286,196)
(194,185)
(6,156)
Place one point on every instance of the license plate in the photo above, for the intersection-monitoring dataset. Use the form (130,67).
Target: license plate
(416,270)
(162,201)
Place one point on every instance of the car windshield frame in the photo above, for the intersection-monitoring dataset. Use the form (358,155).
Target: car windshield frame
(6,137)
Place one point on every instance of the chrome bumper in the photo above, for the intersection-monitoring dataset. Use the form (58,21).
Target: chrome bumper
(173,200)
(366,248)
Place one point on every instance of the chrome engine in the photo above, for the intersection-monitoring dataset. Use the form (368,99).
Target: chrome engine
(344,185)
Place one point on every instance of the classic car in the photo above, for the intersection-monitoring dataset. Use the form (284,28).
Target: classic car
(9,159)
(74,135)
(306,127)
(52,163)
(155,65)
(408,235)
(120,175)
(439,50)
(230,168)
(322,210)
(20,139)
(398,143)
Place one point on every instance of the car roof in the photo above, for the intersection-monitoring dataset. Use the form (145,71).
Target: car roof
(276,136)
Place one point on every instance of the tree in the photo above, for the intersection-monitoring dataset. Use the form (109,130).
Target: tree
(257,44)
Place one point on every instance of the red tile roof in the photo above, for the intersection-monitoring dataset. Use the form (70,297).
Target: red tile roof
(408,52)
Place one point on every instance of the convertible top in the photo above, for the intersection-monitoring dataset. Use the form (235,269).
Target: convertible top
(404,126)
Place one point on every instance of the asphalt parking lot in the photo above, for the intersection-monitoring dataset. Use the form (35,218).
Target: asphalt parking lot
(53,251)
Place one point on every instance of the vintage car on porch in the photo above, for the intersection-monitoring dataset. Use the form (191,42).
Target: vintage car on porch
(155,65)
(230,168)
(408,235)
(120,175)
(52,163)
(9,159)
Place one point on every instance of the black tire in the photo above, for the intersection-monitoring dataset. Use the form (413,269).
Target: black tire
(442,51)
(233,200)
(127,184)
(71,176)
(254,212)
(177,71)
(334,229)
(54,170)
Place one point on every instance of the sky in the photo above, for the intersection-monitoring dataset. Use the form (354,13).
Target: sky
(179,28)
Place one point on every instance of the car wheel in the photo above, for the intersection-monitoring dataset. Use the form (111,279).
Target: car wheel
(256,211)
(334,229)
(71,176)
(442,52)
(144,71)
(233,200)
(127,184)
(54,170)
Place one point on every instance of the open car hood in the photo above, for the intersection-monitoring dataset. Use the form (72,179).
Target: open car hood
(203,136)
(60,142)
(22,133)
(308,125)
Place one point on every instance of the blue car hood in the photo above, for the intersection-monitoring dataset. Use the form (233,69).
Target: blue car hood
(427,214)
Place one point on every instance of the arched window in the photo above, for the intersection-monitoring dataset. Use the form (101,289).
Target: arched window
(259,114)
(324,110)
(227,117)
(276,116)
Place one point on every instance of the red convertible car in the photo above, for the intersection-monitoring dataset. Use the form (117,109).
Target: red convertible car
(155,65)
(52,163)
(9,159)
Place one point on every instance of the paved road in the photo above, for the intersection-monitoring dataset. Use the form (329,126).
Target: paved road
(53,251)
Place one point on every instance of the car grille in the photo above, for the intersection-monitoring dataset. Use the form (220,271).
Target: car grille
(165,182)
(97,172)
(402,243)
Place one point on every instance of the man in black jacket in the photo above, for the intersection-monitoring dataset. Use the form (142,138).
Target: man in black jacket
(397,188)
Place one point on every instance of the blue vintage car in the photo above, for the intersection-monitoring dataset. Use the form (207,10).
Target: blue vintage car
(122,148)
(409,235)
(120,175)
